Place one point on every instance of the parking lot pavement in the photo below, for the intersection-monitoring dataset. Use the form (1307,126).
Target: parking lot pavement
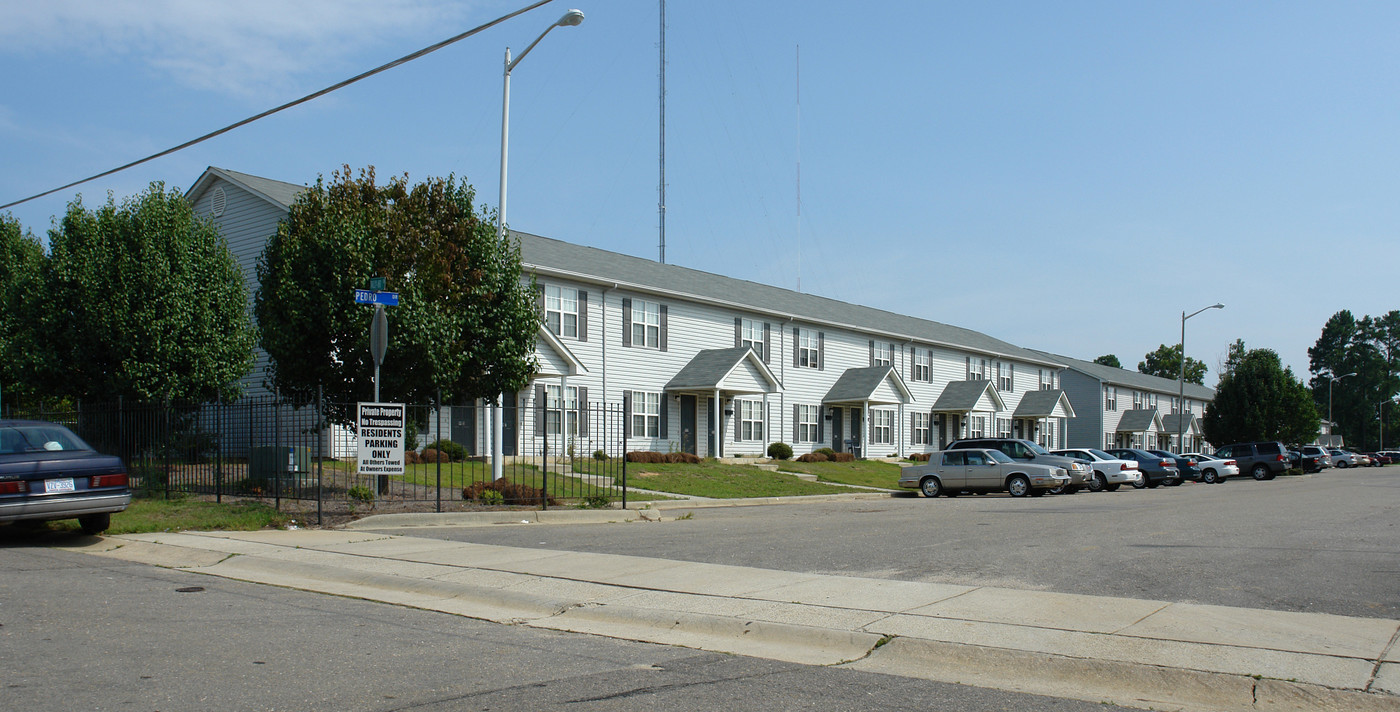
(1141,653)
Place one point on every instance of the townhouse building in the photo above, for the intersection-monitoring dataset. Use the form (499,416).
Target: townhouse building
(1116,407)
(714,365)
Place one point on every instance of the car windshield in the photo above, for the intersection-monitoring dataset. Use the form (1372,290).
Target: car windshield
(999,456)
(1036,449)
(38,437)
(1101,454)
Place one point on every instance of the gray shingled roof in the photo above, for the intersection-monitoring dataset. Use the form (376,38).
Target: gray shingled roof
(961,396)
(1133,379)
(1170,425)
(1137,421)
(857,384)
(603,267)
(707,369)
(277,191)
(1039,404)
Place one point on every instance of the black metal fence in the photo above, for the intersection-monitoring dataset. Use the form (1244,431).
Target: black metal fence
(269,450)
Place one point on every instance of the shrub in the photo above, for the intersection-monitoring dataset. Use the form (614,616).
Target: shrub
(410,457)
(492,498)
(454,451)
(649,456)
(430,456)
(360,493)
(920,456)
(780,451)
(509,492)
(410,439)
(595,501)
(599,455)
(825,451)
(812,457)
(842,457)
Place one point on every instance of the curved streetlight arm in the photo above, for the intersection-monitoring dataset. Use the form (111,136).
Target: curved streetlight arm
(572,18)
(1181,378)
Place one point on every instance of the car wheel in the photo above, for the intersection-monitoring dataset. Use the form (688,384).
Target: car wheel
(1056,490)
(1260,472)
(1140,482)
(1097,483)
(1154,484)
(1173,482)
(1111,488)
(1341,464)
(930,486)
(1018,486)
(94,524)
(1209,477)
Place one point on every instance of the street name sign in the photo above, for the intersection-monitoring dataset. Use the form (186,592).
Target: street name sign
(365,296)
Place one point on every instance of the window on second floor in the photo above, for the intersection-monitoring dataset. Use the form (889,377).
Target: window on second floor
(923,366)
(561,310)
(976,369)
(646,324)
(1047,380)
(881,353)
(808,349)
(1137,400)
(1006,377)
(1110,398)
(751,334)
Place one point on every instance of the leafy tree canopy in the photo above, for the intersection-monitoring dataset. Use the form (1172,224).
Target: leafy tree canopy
(1109,360)
(1260,400)
(465,323)
(142,300)
(21,269)
(1165,362)
(1369,348)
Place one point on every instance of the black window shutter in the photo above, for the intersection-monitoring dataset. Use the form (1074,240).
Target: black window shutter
(541,403)
(738,431)
(665,409)
(738,332)
(663,327)
(582,315)
(583,410)
(821,351)
(626,321)
(796,346)
(767,342)
(795,423)
(627,414)
(872,353)
(821,424)
(911,429)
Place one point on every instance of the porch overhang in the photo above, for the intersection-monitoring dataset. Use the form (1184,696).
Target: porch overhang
(730,372)
(976,396)
(1171,424)
(873,385)
(1052,403)
(1142,420)
(555,359)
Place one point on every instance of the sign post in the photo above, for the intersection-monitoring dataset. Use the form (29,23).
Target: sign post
(380,429)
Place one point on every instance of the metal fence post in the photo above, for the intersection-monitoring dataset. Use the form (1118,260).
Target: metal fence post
(277,445)
(219,449)
(320,451)
(166,413)
(437,430)
(624,456)
(544,471)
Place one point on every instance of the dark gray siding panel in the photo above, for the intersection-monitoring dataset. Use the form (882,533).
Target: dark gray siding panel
(1085,394)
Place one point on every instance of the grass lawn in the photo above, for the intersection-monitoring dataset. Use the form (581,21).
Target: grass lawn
(154,514)
(867,473)
(711,479)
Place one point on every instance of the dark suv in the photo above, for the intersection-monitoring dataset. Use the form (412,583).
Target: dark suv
(1262,460)
(1079,471)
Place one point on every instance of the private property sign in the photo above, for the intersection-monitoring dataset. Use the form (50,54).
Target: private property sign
(380,431)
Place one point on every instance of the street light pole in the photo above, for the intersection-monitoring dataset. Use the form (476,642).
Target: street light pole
(1331,425)
(1181,379)
(572,18)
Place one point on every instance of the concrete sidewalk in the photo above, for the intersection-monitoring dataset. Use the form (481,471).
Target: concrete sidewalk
(1166,656)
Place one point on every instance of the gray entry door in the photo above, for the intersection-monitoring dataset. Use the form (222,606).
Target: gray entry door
(688,443)
(838,431)
(508,429)
(464,427)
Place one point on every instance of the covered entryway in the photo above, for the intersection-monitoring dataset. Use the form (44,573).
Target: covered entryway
(741,384)
(1139,428)
(1034,413)
(969,409)
(876,397)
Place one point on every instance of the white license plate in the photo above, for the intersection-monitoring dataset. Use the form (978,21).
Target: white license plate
(63,485)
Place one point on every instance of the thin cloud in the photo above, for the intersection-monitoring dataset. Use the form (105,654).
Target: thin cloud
(246,48)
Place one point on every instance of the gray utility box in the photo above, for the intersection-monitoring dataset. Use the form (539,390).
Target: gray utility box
(290,464)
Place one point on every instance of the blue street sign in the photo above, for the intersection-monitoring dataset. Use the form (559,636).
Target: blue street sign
(388,299)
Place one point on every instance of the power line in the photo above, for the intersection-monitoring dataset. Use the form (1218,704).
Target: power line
(384,67)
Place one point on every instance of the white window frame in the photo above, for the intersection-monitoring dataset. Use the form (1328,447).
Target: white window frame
(1004,382)
(976,369)
(751,335)
(646,324)
(881,427)
(1047,380)
(808,351)
(750,420)
(922,432)
(1110,398)
(1137,400)
(883,354)
(1003,427)
(977,426)
(646,414)
(807,421)
(557,414)
(561,310)
(923,366)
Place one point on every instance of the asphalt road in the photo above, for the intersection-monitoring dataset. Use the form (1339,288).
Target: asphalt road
(1325,543)
(85,633)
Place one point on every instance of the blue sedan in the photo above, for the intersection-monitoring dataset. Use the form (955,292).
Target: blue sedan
(47,473)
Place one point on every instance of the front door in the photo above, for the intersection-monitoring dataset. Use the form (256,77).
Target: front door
(688,425)
(508,424)
(464,427)
(856,432)
(838,433)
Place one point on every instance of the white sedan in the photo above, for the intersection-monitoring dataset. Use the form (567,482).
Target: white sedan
(1109,472)
(1214,469)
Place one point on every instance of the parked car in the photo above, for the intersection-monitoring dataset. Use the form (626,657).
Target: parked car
(1184,465)
(1110,472)
(952,472)
(1213,469)
(1017,449)
(1344,458)
(1321,459)
(1392,454)
(48,473)
(1263,460)
(1156,470)
(1378,459)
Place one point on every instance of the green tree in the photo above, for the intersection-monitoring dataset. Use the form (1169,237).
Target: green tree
(21,292)
(1259,399)
(1109,360)
(1165,362)
(143,300)
(1369,348)
(465,323)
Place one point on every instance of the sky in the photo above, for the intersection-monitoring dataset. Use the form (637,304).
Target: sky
(1069,176)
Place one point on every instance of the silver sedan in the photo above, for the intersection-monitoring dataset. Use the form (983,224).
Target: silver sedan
(952,472)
